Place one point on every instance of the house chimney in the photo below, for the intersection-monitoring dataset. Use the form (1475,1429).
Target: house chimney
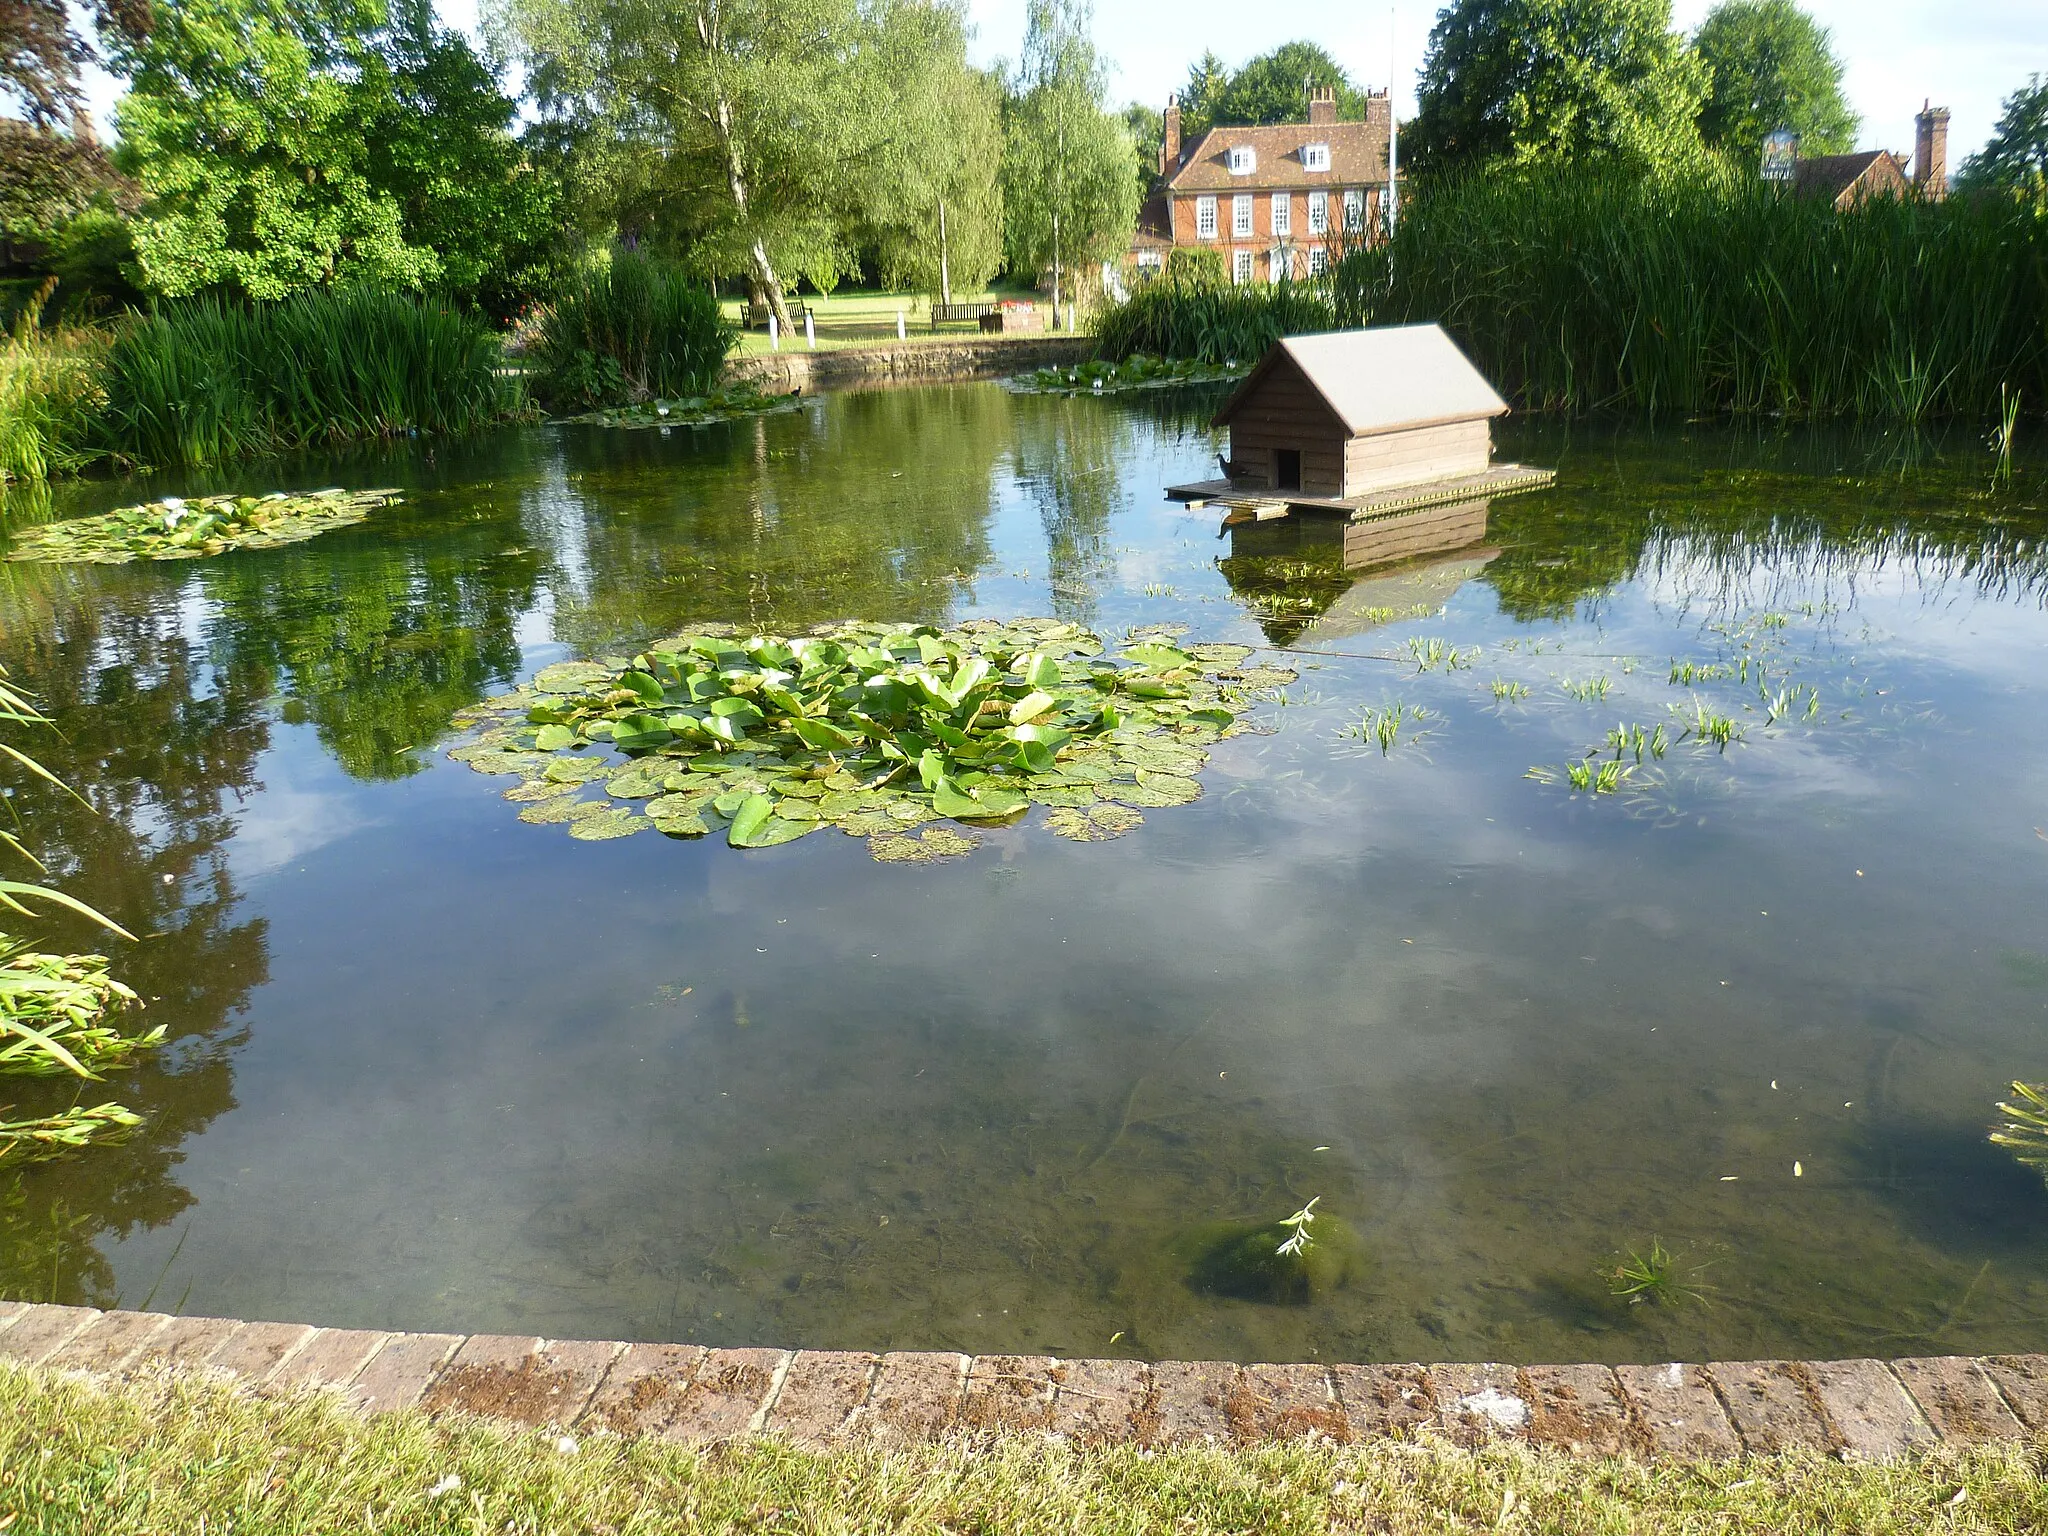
(1322,104)
(1169,146)
(1930,151)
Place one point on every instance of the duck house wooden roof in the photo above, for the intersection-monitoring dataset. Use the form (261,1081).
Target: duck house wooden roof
(1349,413)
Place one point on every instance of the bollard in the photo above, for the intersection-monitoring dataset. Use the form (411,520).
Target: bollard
(899,325)
(810,332)
(1070,319)
(774,335)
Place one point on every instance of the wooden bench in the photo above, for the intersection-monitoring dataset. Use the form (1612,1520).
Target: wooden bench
(942,313)
(758,315)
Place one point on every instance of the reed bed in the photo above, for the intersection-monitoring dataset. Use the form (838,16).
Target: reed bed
(631,330)
(1201,321)
(49,397)
(204,380)
(1718,294)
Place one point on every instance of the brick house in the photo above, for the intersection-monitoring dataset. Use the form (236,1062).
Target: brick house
(1269,199)
(1852,179)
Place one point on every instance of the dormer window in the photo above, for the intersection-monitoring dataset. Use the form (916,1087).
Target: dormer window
(1243,159)
(1315,157)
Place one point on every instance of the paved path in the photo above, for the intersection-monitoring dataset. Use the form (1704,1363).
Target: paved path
(1870,1409)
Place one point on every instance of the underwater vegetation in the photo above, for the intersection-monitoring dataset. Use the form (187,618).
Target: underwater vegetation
(2025,1131)
(873,729)
(1290,1261)
(1655,1278)
(1139,371)
(176,529)
(1381,727)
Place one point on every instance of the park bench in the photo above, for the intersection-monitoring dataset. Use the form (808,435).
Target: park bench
(942,313)
(758,314)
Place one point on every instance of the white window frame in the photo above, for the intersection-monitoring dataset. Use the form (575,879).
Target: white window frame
(1354,209)
(1282,212)
(1315,157)
(1243,160)
(1205,218)
(1240,215)
(1318,261)
(1319,213)
(1240,266)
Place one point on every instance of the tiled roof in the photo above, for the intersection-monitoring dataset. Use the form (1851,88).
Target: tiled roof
(1358,155)
(1831,176)
(1155,222)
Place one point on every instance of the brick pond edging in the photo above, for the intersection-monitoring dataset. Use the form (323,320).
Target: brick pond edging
(936,361)
(1864,1409)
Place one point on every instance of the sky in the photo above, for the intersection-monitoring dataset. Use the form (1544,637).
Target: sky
(1967,55)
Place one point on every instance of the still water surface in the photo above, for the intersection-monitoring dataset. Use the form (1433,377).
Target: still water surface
(434,1068)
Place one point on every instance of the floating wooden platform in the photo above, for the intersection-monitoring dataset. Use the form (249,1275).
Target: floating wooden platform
(1242,504)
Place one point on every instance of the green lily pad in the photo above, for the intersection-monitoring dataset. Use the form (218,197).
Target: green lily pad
(188,529)
(1094,824)
(608,824)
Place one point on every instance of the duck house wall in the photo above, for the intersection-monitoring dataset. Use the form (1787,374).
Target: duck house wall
(1414,457)
(1287,413)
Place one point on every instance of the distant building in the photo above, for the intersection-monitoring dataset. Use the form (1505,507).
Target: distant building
(1267,199)
(1847,180)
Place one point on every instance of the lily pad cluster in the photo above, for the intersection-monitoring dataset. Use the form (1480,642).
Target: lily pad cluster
(688,411)
(179,529)
(907,736)
(1137,371)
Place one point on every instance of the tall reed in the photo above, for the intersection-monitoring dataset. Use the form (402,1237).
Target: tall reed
(1178,317)
(1717,293)
(204,380)
(629,330)
(49,396)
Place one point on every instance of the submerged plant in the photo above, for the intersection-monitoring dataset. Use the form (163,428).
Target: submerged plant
(1709,725)
(1634,739)
(176,529)
(1507,691)
(869,728)
(1382,727)
(1652,1278)
(1298,1224)
(2025,1130)
(1434,652)
(1278,1261)
(1592,690)
(48,1136)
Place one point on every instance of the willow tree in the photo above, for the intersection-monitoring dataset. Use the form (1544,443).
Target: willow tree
(934,199)
(1068,193)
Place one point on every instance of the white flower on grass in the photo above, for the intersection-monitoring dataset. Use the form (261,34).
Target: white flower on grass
(449,1484)
(567,1445)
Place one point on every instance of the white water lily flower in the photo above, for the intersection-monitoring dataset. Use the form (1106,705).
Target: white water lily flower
(449,1484)
(175,503)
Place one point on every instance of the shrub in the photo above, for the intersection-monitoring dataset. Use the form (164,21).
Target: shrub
(49,395)
(1186,317)
(631,330)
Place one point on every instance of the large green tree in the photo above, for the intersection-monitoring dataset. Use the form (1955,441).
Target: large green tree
(283,146)
(2017,154)
(51,164)
(1547,81)
(933,203)
(1068,193)
(1271,88)
(1770,66)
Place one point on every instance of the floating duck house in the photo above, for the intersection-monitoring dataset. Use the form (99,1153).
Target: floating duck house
(1364,422)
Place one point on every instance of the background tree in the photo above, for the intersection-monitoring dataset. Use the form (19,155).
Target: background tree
(1147,128)
(1770,66)
(1068,193)
(1208,79)
(746,124)
(1272,88)
(2017,154)
(1520,81)
(934,202)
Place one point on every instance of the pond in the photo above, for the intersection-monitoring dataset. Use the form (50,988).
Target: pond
(436,1068)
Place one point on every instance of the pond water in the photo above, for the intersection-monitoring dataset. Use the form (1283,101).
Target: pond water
(434,1068)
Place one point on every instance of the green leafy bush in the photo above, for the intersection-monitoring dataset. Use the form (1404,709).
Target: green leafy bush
(49,396)
(1186,317)
(631,330)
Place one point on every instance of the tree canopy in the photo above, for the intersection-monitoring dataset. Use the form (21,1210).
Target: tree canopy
(1271,88)
(1068,193)
(1519,81)
(1770,66)
(2017,154)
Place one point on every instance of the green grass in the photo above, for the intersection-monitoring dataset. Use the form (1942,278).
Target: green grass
(49,397)
(177,1458)
(201,381)
(1580,290)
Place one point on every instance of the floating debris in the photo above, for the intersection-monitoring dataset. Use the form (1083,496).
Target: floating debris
(177,529)
(2025,1130)
(688,411)
(873,729)
(1136,372)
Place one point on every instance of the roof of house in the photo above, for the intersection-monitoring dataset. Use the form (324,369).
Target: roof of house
(1155,223)
(1358,154)
(1836,177)
(1384,380)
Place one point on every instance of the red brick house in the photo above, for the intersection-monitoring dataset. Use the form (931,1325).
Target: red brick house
(1268,199)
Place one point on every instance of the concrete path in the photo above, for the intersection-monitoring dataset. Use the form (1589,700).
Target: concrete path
(1868,1409)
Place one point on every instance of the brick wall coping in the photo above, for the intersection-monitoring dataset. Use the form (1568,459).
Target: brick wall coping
(937,360)
(1860,1409)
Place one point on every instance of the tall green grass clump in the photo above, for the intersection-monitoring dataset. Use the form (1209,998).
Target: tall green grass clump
(204,380)
(630,330)
(1199,320)
(49,396)
(1718,293)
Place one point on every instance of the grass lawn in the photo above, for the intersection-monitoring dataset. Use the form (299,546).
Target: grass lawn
(862,317)
(189,1458)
